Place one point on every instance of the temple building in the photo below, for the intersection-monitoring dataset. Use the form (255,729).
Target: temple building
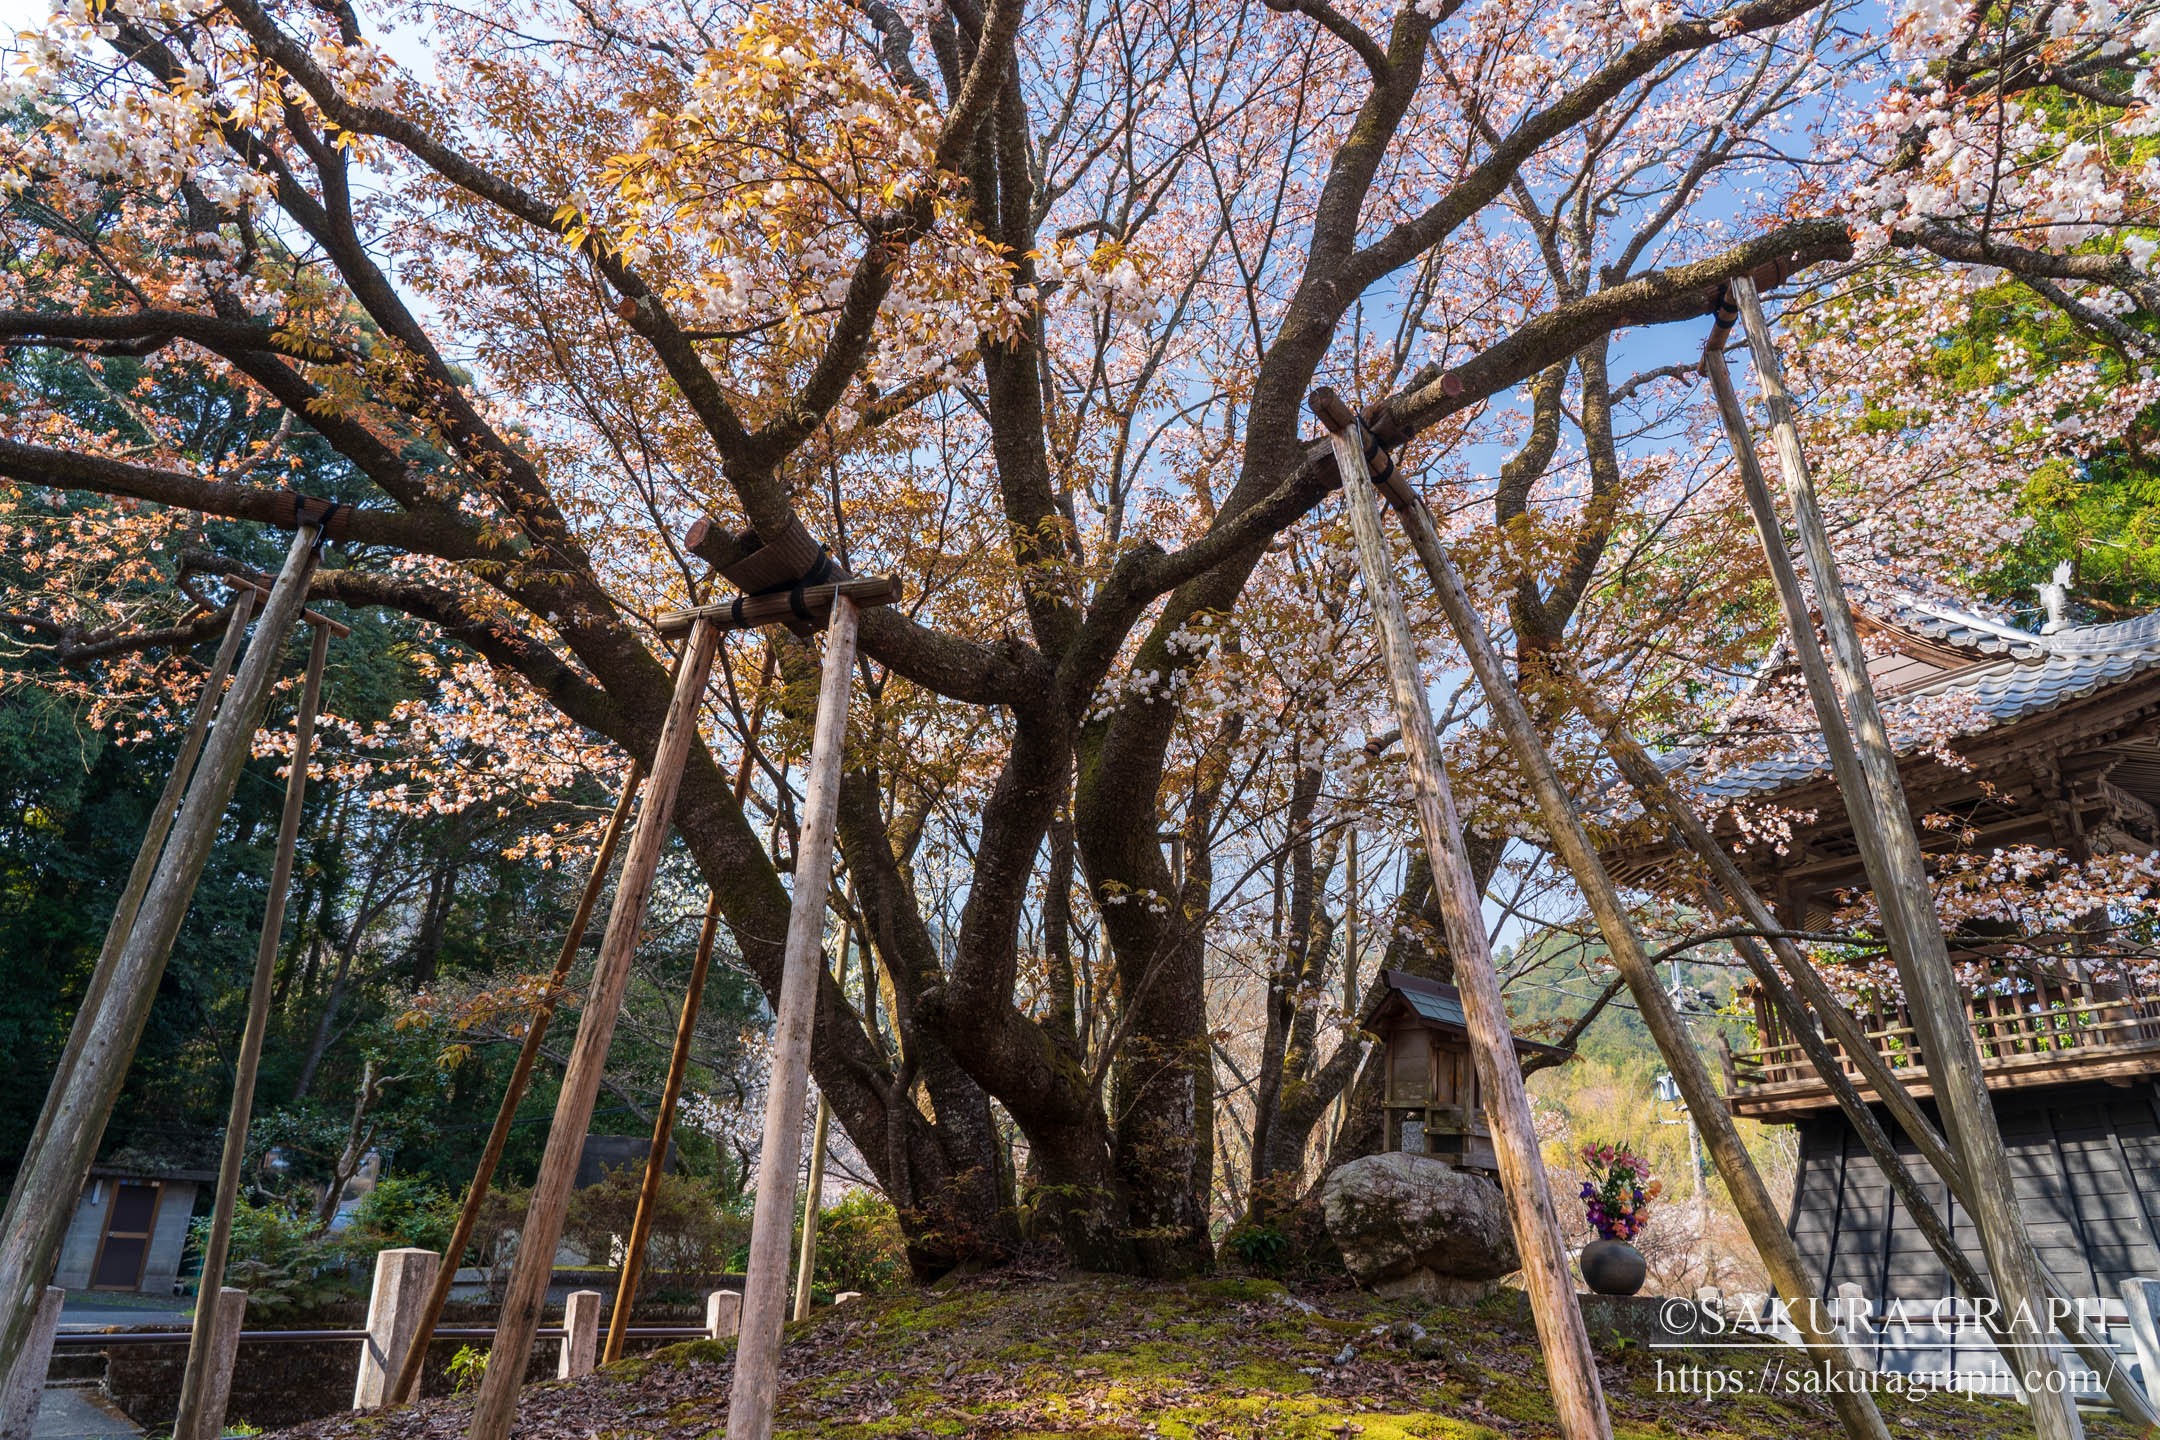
(2058,747)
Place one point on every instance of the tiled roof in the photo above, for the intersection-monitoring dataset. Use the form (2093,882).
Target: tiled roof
(2014,674)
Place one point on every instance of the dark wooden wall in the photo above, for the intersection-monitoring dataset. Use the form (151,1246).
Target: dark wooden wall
(2086,1159)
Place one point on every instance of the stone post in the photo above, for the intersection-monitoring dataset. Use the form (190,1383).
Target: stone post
(2142,1299)
(581,1334)
(402,1278)
(25,1387)
(723,1314)
(224,1354)
(846,1295)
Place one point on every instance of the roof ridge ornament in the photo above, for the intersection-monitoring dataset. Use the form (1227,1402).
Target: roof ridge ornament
(2055,599)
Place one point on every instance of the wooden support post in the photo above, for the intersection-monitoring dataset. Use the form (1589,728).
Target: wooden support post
(224,1355)
(814,1194)
(581,1334)
(402,1277)
(1339,1108)
(1890,851)
(535,1262)
(51,1176)
(202,1339)
(146,856)
(1706,1108)
(633,1262)
(1578,1397)
(408,1379)
(23,1389)
(757,1352)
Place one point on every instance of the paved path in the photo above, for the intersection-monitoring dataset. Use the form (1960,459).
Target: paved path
(91,1310)
(72,1414)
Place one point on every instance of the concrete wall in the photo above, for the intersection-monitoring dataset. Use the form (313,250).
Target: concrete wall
(78,1250)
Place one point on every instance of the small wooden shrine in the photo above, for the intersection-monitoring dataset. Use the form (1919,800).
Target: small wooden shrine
(1431,1098)
(2059,748)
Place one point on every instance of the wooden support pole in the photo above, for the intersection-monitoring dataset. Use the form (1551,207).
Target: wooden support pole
(1890,851)
(814,1194)
(542,1230)
(415,1359)
(51,1177)
(146,856)
(757,1352)
(813,1197)
(1855,1407)
(22,1390)
(1578,1396)
(203,1343)
(633,1262)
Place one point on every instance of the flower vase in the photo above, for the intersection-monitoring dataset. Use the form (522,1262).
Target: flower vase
(1613,1267)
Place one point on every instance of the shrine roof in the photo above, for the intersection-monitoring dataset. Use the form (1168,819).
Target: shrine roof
(1941,651)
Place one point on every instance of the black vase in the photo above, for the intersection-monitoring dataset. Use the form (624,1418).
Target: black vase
(1613,1267)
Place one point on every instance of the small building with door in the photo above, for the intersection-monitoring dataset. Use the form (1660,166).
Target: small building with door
(1431,1097)
(130,1228)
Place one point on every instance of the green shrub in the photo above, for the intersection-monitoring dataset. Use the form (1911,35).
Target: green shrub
(284,1265)
(1260,1247)
(406,1210)
(466,1368)
(860,1246)
(695,1237)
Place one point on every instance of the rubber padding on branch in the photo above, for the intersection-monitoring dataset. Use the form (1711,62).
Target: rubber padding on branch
(772,565)
(1766,276)
(292,509)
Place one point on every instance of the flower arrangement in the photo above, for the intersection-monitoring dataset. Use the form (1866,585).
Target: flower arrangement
(1619,1191)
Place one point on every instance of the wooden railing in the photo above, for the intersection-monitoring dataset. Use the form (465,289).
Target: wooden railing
(2039,1031)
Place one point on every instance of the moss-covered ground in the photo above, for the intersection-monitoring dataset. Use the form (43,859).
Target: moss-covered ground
(1205,1360)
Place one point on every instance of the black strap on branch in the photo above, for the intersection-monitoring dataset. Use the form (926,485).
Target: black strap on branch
(1726,310)
(322,529)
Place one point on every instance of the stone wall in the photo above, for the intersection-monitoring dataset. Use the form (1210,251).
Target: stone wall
(277,1384)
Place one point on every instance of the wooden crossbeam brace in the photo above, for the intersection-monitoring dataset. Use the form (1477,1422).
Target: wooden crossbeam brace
(407,1384)
(748,612)
(1624,945)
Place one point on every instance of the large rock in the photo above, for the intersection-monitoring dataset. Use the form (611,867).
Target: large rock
(1415,1226)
